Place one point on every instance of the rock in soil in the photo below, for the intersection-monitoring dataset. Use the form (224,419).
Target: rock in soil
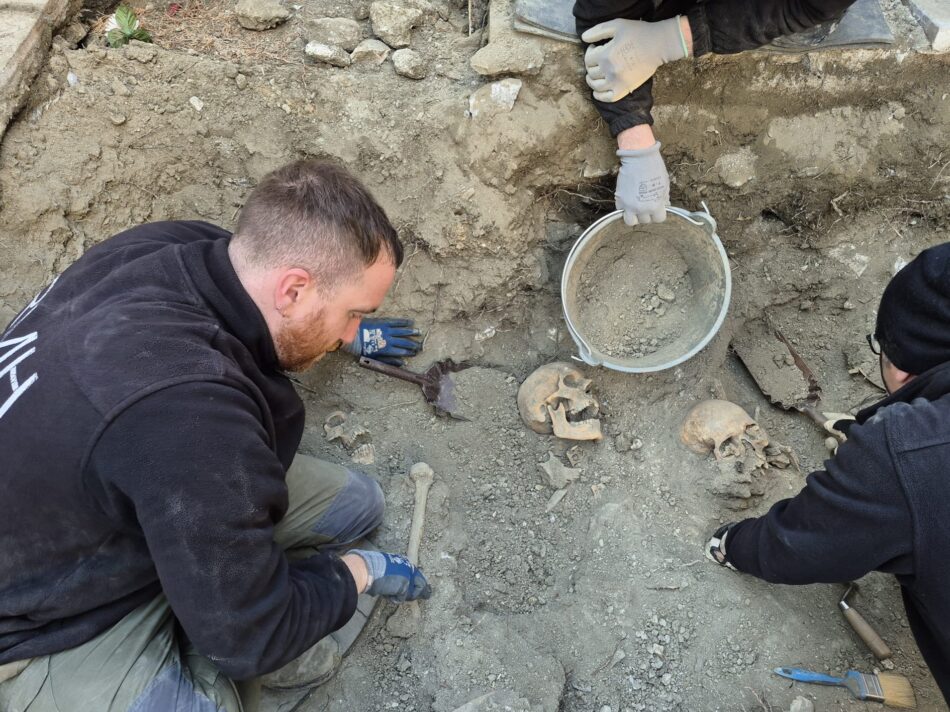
(495,98)
(260,14)
(409,63)
(802,704)
(508,57)
(370,52)
(339,31)
(556,475)
(393,21)
(335,56)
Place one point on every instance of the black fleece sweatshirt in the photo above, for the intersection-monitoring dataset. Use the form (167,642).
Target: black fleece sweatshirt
(717,26)
(145,432)
(881,504)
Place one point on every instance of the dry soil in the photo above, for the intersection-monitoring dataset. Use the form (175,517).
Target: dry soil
(605,602)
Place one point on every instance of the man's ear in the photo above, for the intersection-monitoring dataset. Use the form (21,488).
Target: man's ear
(290,288)
(901,377)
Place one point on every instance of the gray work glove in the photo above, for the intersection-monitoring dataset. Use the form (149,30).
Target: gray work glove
(715,549)
(635,51)
(643,185)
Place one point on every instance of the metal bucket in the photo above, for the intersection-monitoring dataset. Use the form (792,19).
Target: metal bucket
(694,236)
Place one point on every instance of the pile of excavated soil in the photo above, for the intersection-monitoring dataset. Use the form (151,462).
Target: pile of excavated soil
(634,296)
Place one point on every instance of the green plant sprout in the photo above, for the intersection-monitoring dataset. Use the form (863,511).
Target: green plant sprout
(127,28)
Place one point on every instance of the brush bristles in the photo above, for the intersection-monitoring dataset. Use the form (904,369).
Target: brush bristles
(897,690)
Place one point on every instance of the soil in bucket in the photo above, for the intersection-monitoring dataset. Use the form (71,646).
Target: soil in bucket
(634,296)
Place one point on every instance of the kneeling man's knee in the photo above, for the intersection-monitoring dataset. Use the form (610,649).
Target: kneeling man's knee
(356,510)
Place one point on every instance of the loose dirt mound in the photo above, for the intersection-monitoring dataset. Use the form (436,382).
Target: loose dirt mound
(634,296)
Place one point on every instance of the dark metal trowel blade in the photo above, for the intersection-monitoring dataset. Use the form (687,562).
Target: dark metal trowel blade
(439,389)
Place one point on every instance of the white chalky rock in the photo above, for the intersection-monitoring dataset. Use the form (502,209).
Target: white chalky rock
(328,54)
(494,98)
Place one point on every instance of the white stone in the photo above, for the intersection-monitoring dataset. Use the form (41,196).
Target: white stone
(494,98)
(801,704)
(339,31)
(409,63)
(370,52)
(196,104)
(736,169)
(260,14)
(328,54)
(393,21)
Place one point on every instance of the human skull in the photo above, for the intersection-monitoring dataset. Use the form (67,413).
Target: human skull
(556,386)
(724,429)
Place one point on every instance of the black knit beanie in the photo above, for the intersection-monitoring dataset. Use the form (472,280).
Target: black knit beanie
(913,321)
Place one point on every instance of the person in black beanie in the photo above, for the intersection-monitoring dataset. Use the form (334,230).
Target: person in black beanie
(883,501)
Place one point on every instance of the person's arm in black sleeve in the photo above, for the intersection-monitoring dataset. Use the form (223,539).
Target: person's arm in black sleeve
(633,109)
(193,466)
(847,521)
(731,26)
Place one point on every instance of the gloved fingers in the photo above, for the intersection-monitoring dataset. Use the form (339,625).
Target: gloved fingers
(421,589)
(658,215)
(391,360)
(596,72)
(599,33)
(593,56)
(606,96)
(403,347)
(598,85)
(387,321)
(400,332)
(630,217)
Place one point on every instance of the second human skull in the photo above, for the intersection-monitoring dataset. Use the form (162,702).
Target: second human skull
(723,428)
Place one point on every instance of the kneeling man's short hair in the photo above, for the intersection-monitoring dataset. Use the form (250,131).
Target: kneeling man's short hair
(318,216)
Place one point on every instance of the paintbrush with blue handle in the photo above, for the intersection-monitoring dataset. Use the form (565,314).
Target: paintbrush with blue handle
(893,690)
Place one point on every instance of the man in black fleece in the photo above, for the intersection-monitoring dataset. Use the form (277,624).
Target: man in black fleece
(161,537)
(641,36)
(883,502)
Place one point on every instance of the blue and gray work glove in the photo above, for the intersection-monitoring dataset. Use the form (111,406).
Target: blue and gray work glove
(386,340)
(643,185)
(392,576)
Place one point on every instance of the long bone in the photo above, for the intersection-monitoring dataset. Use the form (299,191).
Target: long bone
(422,475)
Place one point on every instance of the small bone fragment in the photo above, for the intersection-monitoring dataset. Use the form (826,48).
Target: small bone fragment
(336,428)
(557,475)
(555,500)
(582,430)
(574,455)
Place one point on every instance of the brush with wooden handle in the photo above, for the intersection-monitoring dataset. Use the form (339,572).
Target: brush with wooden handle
(864,630)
